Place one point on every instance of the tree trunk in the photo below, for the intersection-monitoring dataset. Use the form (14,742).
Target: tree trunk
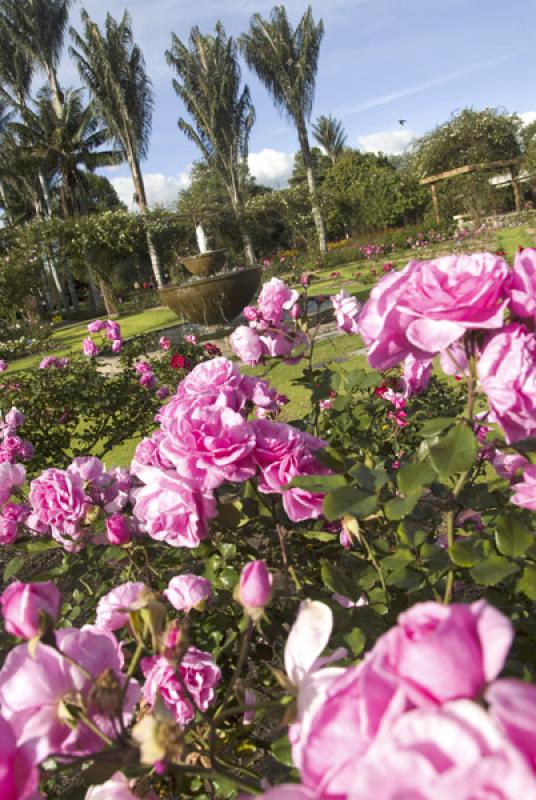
(315,207)
(50,258)
(57,94)
(71,287)
(108,297)
(517,193)
(94,296)
(238,208)
(141,200)
(4,203)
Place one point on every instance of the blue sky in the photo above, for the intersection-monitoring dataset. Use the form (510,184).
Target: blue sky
(381,60)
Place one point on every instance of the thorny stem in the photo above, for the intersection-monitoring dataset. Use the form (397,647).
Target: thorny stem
(460,483)
(281,532)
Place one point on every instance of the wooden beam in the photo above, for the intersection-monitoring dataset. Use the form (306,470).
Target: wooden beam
(452,173)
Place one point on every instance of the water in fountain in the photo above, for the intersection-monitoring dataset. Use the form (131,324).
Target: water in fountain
(201,239)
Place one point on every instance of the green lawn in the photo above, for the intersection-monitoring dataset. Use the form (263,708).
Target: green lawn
(509,240)
(68,338)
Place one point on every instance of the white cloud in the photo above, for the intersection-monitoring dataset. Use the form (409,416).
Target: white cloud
(391,143)
(271,167)
(161,189)
(528,117)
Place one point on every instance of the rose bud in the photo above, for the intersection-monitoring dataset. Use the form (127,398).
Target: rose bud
(118,529)
(29,609)
(255,588)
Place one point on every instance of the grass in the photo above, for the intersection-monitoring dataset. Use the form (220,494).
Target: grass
(68,338)
(509,240)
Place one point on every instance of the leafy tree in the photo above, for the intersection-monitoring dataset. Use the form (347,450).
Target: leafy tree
(329,133)
(471,137)
(208,83)
(321,164)
(113,68)
(286,60)
(38,28)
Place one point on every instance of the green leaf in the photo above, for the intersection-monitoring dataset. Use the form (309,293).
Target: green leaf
(527,582)
(455,452)
(319,536)
(399,507)
(493,570)
(338,581)
(513,539)
(42,546)
(317,484)
(12,567)
(281,751)
(466,553)
(349,500)
(435,426)
(356,641)
(413,476)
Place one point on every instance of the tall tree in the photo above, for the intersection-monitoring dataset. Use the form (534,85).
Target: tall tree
(330,134)
(16,69)
(113,68)
(286,60)
(38,28)
(208,83)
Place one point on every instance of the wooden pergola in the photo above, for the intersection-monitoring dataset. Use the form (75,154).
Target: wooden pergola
(432,180)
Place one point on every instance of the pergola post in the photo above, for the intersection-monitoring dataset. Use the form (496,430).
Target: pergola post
(436,203)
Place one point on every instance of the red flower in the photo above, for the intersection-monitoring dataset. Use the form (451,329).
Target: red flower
(178,361)
(211,349)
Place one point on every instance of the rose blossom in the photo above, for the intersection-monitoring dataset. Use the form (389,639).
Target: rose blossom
(118,787)
(112,612)
(19,777)
(96,326)
(218,378)
(429,305)
(199,673)
(170,508)
(507,464)
(11,476)
(165,343)
(119,529)
(416,375)
(58,502)
(35,689)
(23,603)
(116,346)
(14,418)
(185,592)
(90,348)
(522,286)
(347,311)
(247,345)
(255,586)
(113,330)
(3,365)
(511,704)
(454,752)
(525,491)
(276,298)
(507,374)
(440,653)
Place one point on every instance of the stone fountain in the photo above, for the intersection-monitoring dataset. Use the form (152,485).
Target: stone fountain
(214,295)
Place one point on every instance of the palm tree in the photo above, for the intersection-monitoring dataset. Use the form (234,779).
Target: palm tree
(330,135)
(285,61)
(113,68)
(209,86)
(66,145)
(38,28)
(16,69)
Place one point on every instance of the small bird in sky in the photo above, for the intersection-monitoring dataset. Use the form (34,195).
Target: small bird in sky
(402,122)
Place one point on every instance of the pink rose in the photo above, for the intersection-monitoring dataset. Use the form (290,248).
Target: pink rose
(11,476)
(207,443)
(58,502)
(118,787)
(14,418)
(35,690)
(347,311)
(112,608)
(247,345)
(19,777)
(148,452)
(218,378)
(116,346)
(507,373)
(165,343)
(185,592)
(440,653)
(282,453)
(90,348)
(441,754)
(525,491)
(416,375)
(172,509)
(199,673)
(119,529)
(522,287)
(250,313)
(512,704)
(255,587)
(113,330)
(23,603)
(506,465)
(96,326)
(148,380)
(427,306)
(276,298)
(3,365)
